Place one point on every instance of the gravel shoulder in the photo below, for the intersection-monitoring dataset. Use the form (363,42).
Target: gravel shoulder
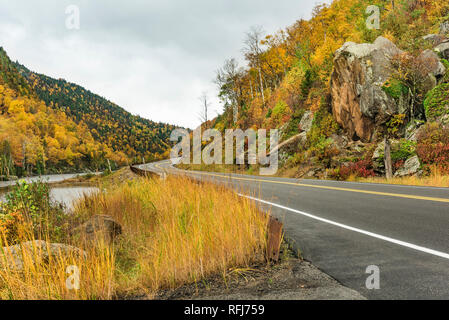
(290,279)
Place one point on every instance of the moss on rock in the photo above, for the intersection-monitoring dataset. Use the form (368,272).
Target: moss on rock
(436,103)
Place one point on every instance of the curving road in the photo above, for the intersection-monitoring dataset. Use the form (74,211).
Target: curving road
(344,227)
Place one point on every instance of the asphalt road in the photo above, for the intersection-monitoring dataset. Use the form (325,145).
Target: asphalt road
(343,227)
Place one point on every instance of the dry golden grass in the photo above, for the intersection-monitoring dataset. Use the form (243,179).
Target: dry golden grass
(175,231)
(434,179)
(44,276)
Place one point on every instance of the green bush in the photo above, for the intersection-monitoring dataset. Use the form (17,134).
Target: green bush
(436,103)
(403,150)
(295,160)
(31,203)
(394,88)
(293,125)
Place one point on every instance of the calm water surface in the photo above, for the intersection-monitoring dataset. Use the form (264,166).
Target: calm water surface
(65,194)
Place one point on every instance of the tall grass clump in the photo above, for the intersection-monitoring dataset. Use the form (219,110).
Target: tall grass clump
(434,179)
(36,251)
(178,231)
(175,232)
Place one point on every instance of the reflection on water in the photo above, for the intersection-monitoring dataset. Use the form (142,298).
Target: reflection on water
(67,195)
(51,178)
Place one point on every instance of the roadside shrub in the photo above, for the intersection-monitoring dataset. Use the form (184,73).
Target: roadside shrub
(433,146)
(359,169)
(403,150)
(30,204)
(295,160)
(293,126)
(279,114)
(324,126)
(324,150)
(397,165)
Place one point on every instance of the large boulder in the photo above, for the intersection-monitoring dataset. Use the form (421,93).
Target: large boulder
(432,66)
(35,252)
(410,167)
(98,229)
(443,50)
(359,103)
(432,62)
(435,39)
(339,141)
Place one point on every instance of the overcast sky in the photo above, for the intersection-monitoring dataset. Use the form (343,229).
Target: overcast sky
(154,58)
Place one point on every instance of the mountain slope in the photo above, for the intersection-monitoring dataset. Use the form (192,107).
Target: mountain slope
(315,79)
(49,125)
(108,123)
(35,138)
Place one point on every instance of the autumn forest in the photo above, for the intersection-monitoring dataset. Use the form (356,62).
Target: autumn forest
(49,125)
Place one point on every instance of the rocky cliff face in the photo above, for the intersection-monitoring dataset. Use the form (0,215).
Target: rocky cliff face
(358,102)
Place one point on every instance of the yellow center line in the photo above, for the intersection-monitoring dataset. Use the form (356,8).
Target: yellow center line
(397,195)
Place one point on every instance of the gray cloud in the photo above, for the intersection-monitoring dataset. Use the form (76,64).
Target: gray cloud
(154,58)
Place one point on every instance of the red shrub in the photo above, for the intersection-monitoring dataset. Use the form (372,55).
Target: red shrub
(362,169)
(398,164)
(433,146)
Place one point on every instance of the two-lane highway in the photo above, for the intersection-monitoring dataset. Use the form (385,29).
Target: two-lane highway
(344,227)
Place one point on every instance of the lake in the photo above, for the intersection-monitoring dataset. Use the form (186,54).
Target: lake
(51,178)
(65,194)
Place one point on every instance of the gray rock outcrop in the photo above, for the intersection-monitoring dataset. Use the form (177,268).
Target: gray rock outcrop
(34,252)
(443,50)
(410,167)
(435,39)
(306,121)
(359,103)
(99,229)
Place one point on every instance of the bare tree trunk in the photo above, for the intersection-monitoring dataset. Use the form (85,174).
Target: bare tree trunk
(261,87)
(235,111)
(43,161)
(251,87)
(387,159)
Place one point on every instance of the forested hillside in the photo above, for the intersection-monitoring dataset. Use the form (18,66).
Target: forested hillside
(107,122)
(329,82)
(49,125)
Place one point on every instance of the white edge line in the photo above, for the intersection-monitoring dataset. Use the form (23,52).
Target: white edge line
(371,234)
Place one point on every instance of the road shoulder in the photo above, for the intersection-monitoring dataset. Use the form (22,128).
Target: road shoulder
(291,279)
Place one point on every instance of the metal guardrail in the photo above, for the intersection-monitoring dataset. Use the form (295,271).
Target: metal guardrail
(143,173)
